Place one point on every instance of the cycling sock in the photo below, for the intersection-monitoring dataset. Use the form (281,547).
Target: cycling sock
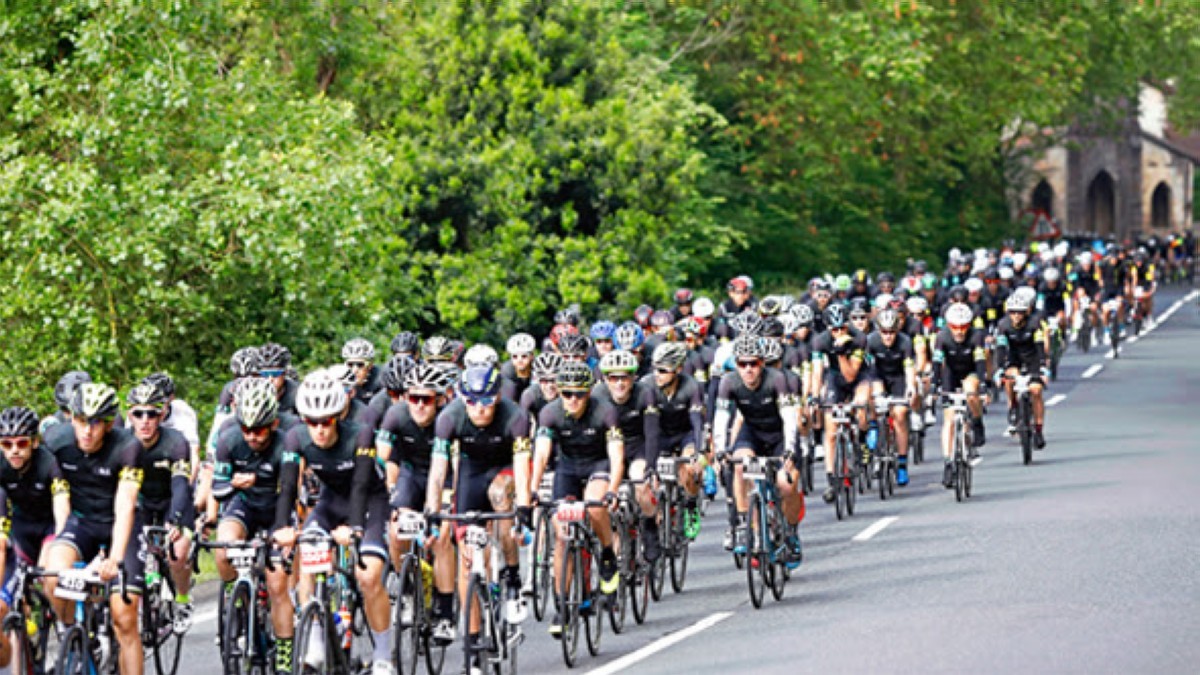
(511,575)
(183,598)
(829,477)
(283,655)
(443,605)
(608,556)
(383,644)
(1037,428)
(741,518)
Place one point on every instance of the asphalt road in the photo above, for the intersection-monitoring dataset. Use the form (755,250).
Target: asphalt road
(1083,562)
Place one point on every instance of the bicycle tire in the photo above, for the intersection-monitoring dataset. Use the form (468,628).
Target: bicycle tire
(1025,429)
(168,645)
(21,661)
(639,581)
(542,557)
(235,641)
(676,544)
(74,653)
(593,620)
(851,476)
(313,616)
(570,597)
(779,571)
(883,459)
(756,559)
(968,477)
(618,606)
(478,600)
(658,577)
(407,625)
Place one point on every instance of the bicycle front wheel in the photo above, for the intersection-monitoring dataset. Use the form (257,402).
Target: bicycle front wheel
(757,563)
(22,660)
(569,598)
(168,643)
(540,570)
(617,606)
(478,608)
(407,625)
(594,601)
(1026,429)
(235,641)
(639,578)
(73,656)
(313,629)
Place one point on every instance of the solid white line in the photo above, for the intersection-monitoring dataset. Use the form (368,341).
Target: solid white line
(875,528)
(976,462)
(661,644)
(204,617)
(1133,338)
(1093,371)
(1056,399)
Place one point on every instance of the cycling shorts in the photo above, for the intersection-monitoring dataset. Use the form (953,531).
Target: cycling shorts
(88,536)
(333,511)
(761,443)
(253,520)
(572,476)
(411,484)
(838,389)
(677,445)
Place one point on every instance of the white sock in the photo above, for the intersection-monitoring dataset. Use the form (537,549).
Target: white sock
(383,644)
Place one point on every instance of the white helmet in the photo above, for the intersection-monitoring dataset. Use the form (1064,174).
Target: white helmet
(358,349)
(1017,302)
(959,314)
(521,343)
(1019,259)
(1051,274)
(480,355)
(703,308)
(916,305)
(1006,273)
(1061,249)
(973,285)
(320,396)
(883,300)
(1029,294)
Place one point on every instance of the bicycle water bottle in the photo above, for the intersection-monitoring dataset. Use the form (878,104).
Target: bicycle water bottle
(342,622)
(873,434)
(710,482)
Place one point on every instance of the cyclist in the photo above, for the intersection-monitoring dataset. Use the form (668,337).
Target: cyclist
(1020,349)
(406,343)
(638,416)
(518,370)
(1144,286)
(1085,279)
(492,437)
(103,471)
(1116,285)
(602,333)
(590,464)
(249,461)
(166,494)
(741,298)
(405,441)
(681,402)
(769,416)
(359,356)
(352,503)
(356,410)
(391,385)
(31,481)
(893,373)
(683,304)
(839,379)
(960,361)
(273,362)
(544,388)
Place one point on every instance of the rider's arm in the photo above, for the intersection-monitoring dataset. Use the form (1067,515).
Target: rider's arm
(616,454)
(543,445)
(437,475)
(980,355)
(181,487)
(723,416)
(519,430)
(939,362)
(696,417)
(651,424)
(289,479)
(125,504)
(1001,345)
(787,413)
(367,471)
(222,488)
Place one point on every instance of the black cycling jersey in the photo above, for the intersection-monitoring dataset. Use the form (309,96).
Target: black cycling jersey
(683,411)
(1021,346)
(287,397)
(1114,275)
(1086,278)
(582,439)
(371,385)
(94,477)
(823,345)
(363,415)
(490,446)
(347,470)
(513,385)
(890,362)
(1053,300)
(1143,275)
(532,401)
(411,443)
(698,363)
(380,403)
(796,357)
(225,400)
(234,456)
(166,475)
(638,415)
(30,492)
(959,359)
(759,407)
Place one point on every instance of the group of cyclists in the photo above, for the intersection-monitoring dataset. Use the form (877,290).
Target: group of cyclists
(437,428)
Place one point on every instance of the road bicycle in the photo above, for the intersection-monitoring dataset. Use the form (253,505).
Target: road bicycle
(412,622)
(1024,415)
(333,614)
(159,609)
(847,463)
(674,540)
(87,647)
(247,638)
(886,457)
(962,443)
(639,578)
(541,554)
(579,596)
(29,621)
(766,529)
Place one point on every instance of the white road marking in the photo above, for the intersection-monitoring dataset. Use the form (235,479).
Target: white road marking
(1132,339)
(1093,371)
(661,644)
(976,462)
(204,617)
(875,528)
(1055,400)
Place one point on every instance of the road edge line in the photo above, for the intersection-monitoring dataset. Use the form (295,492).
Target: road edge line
(661,644)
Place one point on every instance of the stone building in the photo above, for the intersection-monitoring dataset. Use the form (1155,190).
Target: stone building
(1136,184)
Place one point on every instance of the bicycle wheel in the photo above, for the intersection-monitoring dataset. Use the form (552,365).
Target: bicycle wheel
(478,607)
(22,661)
(1025,429)
(779,572)
(618,605)
(73,653)
(884,461)
(569,599)
(658,578)
(168,644)
(1116,336)
(675,544)
(639,580)
(235,643)
(756,559)
(312,620)
(966,477)
(540,571)
(839,484)
(593,619)
(407,624)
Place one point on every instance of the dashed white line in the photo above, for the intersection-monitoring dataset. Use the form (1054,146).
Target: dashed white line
(875,528)
(1093,371)
(1055,400)
(661,644)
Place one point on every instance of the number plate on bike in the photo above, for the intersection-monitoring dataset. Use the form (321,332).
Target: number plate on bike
(666,468)
(72,585)
(546,489)
(476,537)
(316,558)
(571,512)
(410,525)
(754,468)
(240,558)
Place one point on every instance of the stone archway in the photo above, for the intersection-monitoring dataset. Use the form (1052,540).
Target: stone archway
(1042,198)
(1160,207)
(1102,205)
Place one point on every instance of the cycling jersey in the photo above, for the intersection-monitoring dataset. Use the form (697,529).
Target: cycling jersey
(411,443)
(347,470)
(182,418)
(30,492)
(94,477)
(235,456)
(583,439)
(1052,301)
(1114,276)
(890,364)
(532,401)
(372,384)
(681,418)
(1022,347)
(638,418)
(483,453)
(513,385)
(380,403)
(166,494)
(958,360)
(362,414)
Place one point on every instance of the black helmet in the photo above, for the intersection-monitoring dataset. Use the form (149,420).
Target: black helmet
(66,386)
(405,342)
(18,421)
(394,371)
(573,344)
(163,381)
(245,362)
(885,277)
(146,393)
(958,293)
(274,356)
(835,316)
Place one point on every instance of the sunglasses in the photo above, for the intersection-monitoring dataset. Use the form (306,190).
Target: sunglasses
(256,431)
(144,414)
(748,364)
(887,332)
(357,365)
(479,401)
(665,371)
(421,399)
(962,327)
(322,422)
(276,372)
(16,443)
(839,329)
(574,394)
(618,378)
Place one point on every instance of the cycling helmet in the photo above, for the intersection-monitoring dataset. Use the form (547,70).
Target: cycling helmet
(66,386)
(1017,302)
(772,327)
(973,285)
(691,326)
(1051,274)
(789,322)
(94,401)
(888,319)
(273,356)
(1026,293)
(392,377)
(859,309)
(746,323)
(245,362)
(457,348)
(344,374)
(804,314)
(958,294)
(897,303)
(785,303)
(405,342)
(147,393)
(883,300)
(575,376)
(546,365)
(426,376)
(860,276)
(520,343)
(1019,259)
(929,281)
(821,285)
(835,316)
(480,381)
(742,283)
(18,421)
(1006,273)
(772,351)
(567,317)
(669,355)
(917,305)
(703,308)
(603,330)
(747,347)
(661,319)
(163,381)
(573,345)
(842,283)
(642,315)
(911,285)
(885,278)
(257,403)
(480,355)
(620,361)
(437,348)
(629,336)
(320,396)
(358,349)
(684,296)
(959,314)
(770,306)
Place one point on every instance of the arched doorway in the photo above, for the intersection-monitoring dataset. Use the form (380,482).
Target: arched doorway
(1102,205)
(1160,207)
(1042,198)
